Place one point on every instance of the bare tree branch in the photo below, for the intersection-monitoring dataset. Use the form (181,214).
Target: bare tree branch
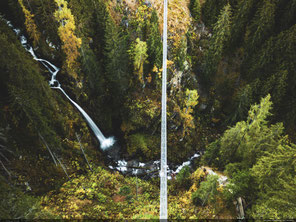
(5,169)
(81,147)
(48,148)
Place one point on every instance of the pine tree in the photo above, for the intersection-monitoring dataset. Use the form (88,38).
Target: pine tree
(93,71)
(207,192)
(211,10)
(71,43)
(243,100)
(116,65)
(101,17)
(241,18)
(248,140)
(287,15)
(195,9)
(262,27)
(221,33)
(275,175)
(154,44)
(116,57)
(30,99)
(46,22)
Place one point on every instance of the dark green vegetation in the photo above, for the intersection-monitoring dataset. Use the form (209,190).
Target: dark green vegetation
(246,55)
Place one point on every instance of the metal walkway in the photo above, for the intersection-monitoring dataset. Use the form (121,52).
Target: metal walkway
(163,160)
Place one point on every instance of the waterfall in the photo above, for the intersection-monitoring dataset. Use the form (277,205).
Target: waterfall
(105,142)
(54,84)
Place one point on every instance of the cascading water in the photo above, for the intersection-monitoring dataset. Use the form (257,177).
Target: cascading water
(121,165)
(105,142)
(54,84)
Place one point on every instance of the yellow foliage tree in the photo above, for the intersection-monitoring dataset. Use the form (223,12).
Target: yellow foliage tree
(31,27)
(71,43)
(139,55)
(186,114)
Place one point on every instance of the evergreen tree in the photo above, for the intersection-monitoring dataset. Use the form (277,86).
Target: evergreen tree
(275,64)
(211,10)
(247,141)
(93,71)
(262,25)
(101,17)
(116,57)
(30,99)
(243,100)
(275,175)
(286,14)
(181,53)
(195,9)
(241,19)
(207,192)
(221,33)
(116,69)
(154,44)
(46,22)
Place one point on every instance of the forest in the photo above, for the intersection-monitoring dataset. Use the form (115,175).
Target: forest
(80,109)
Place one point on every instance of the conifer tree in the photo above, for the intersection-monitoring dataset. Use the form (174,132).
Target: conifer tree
(275,175)
(243,100)
(154,44)
(101,17)
(71,43)
(221,33)
(31,27)
(116,63)
(263,24)
(195,9)
(248,140)
(241,18)
(46,22)
(93,70)
(288,16)
(211,10)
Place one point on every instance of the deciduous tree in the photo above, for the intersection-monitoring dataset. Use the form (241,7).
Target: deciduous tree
(71,43)
(139,55)
(31,27)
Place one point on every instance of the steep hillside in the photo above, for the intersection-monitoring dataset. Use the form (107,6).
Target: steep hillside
(80,108)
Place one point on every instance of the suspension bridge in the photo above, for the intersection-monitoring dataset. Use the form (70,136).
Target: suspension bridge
(163,158)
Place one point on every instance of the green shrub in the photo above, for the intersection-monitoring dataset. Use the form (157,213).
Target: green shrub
(207,191)
(183,178)
(240,185)
(125,190)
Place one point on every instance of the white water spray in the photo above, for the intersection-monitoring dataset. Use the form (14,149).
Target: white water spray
(54,84)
